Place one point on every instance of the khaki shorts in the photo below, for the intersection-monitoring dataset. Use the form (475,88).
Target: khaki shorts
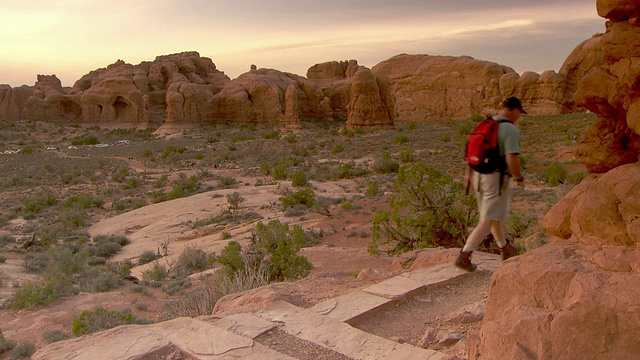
(493,204)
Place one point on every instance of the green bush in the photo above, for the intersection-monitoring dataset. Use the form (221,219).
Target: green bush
(401,139)
(406,157)
(372,188)
(38,202)
(299,179)
(155,273)
(384,165)
(52,336)
(23,351)
(279,245)
(338,148)
(573,179)
(555,174)
(99,319)
(172,149)
(5,345)
(88,140)
(519,223)
(234,200)
(428,209)
(273,250)
(33,294)
(193,260)
(146,257)
(304,197)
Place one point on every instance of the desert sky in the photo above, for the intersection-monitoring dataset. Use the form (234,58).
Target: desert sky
(69,38)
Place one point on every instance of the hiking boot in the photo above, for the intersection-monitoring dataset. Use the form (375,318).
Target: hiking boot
(464,262)
(508,251)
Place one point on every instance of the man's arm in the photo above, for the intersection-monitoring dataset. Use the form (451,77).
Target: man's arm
(513,163)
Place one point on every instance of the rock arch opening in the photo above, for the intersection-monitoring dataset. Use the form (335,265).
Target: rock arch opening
(120,106)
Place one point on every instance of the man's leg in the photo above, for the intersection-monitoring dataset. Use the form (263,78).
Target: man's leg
(506,250)
(497,230)
(473,241)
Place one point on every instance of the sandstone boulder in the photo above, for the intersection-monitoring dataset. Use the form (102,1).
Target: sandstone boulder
(542,93)
(369,103)
(269,96)
(564,301)
(577,298)
(437,87)
(602,210)
(13,100)
(612,91)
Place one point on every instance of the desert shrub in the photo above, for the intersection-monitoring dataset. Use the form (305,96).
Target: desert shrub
(73,218)
(406,157)
(156,273)
(299,179)
(99,280)
(87,140)
(465,127)
(35,263)
(384,164)
(226,182)
(121,175)
(519,223)
(83,202)
(234,200)
(273,250)
(225,235)
(177,285)
(401,139)
(99,319)
(304,197)
(105,249)
(146,257)
(275,134)
(337,149)
(38,202)
(573,179)
(183,186)
(555,174)
(172,149)
(5,345)
(278,245)
(23,351)
(372,188)
(33,294)
(428,209)
(52,336)
(193,260)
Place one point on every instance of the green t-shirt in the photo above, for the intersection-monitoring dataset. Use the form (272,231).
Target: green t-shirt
(508,137)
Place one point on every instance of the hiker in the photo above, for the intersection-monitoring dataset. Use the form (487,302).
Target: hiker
(491,189)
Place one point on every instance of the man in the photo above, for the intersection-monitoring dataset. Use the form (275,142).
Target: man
(493,201)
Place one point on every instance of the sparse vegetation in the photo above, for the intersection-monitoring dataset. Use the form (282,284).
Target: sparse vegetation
(50,200)
(428,209)
(99,319)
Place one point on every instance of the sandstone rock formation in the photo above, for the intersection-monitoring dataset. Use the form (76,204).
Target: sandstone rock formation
(613,92)
(269,96)
(335,79)
(354,93)
(577,298)
(173,88)
(437,87)
(12,101)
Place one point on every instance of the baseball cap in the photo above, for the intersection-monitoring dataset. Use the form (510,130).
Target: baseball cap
(513,103)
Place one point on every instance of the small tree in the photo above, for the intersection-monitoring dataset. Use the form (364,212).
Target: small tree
(428,209)
(234,199)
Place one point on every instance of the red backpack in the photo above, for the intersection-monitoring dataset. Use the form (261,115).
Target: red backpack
(483,151)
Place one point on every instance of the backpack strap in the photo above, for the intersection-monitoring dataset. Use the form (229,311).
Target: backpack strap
(503,171)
